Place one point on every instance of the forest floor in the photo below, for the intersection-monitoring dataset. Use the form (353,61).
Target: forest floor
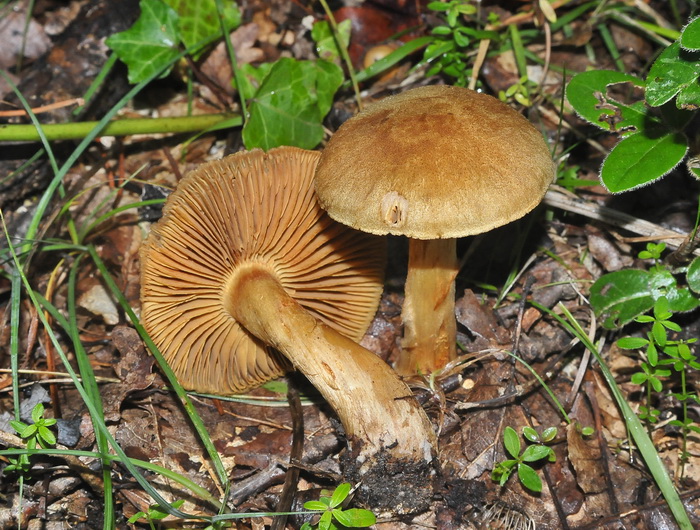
(551,258)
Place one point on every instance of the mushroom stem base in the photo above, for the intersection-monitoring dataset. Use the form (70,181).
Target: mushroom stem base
(377,409)
(430,328)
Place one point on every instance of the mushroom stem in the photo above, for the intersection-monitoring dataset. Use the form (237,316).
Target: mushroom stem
(430,329)
(376,408)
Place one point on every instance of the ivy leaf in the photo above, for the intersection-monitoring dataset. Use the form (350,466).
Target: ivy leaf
(150,44)
(642,158)
(291,103)
(620,296)
(199,21)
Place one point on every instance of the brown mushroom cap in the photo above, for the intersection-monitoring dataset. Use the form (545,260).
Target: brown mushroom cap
(249,208)
(434,162)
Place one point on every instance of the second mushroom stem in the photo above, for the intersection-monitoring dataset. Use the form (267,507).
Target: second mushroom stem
(428,314)
(372,402)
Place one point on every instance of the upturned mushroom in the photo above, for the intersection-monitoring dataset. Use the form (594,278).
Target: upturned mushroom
(434,163)
(244,266)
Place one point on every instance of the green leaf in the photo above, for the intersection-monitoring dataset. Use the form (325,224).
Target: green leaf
(340,494)
(656,384)
(588,93)
(639,378)
(28,432)
(531,434)
(690,37)
(17,425)
(693,275)
(37,412)
(689,97)
(136,517)
(642,158)
(315,506)
(290,104)
(632,343)
(533,453)
(549,434)
(529,478)
(511,440)
(587,431)
(658,331)
(198,21)
(355,518)
(674,70)
(620,296)
(326,46)
(326,521)
(682,299)
(46,436)
(150,44)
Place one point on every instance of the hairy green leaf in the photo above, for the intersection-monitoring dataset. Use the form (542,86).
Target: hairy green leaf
(674,70)
(690,38)
(642,158)
(590,95)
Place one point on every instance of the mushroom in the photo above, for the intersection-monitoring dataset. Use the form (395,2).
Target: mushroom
(244,266)
(434,163)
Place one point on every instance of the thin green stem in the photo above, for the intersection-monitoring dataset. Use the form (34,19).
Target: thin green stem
(182,395)
(343,53)
(636,429)
(16,298)
(234,62)
(201,492)
(97,82)
(81,389)
(88,377)
(121,127)
(544,385)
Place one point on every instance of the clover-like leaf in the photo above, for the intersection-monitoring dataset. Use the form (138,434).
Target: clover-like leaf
(674,70)
(690,37)
(693,275)
(150,44)
(620,296)
(589,94)
(641,159)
